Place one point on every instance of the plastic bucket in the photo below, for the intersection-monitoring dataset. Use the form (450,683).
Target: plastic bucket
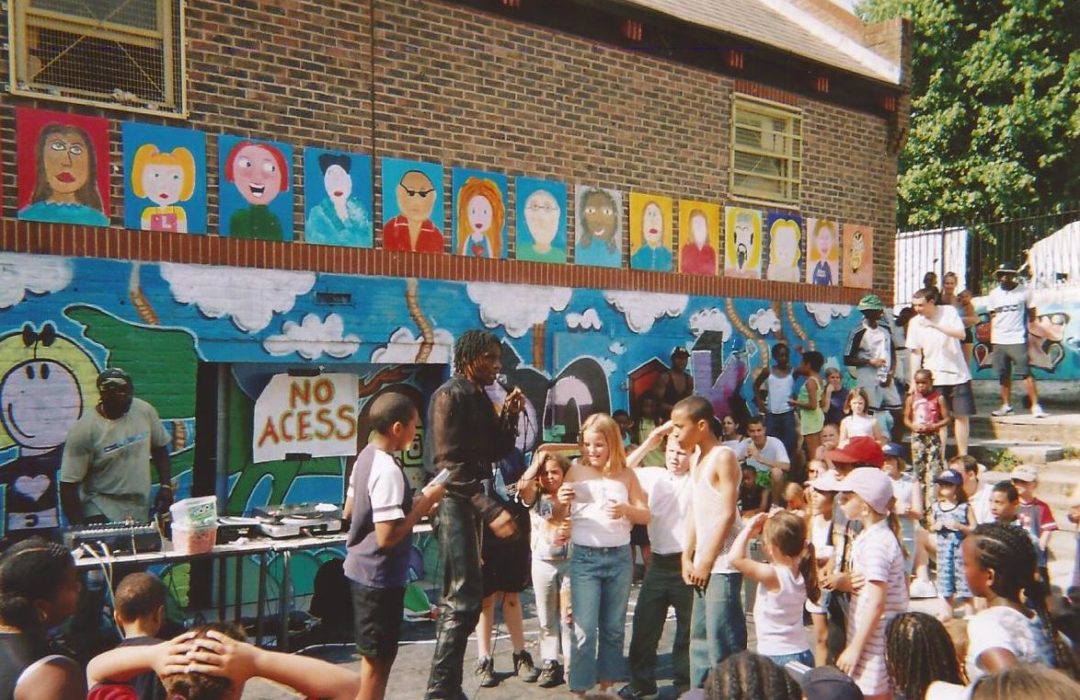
(194,512)
(193,540)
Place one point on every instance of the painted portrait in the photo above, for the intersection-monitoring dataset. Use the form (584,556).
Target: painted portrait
(541,220)
(742,242)
(337,198)
(478,216)
(255,188)
(63,167)
(822,252)
(412,202)
(858,267)
(699,237)
(651,232)
(164,178)
(785,246)
(598,237)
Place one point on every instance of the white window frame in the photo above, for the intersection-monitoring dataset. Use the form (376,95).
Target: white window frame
(789,153)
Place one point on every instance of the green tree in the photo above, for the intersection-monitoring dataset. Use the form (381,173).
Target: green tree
(995,119)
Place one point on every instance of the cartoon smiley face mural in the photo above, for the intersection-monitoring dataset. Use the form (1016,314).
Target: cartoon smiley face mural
(46,380)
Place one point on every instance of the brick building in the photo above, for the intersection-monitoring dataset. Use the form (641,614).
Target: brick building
(790,108)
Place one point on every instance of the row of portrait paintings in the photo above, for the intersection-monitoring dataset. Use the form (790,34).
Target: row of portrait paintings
(62,179)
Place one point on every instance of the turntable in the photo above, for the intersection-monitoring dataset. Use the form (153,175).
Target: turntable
(298,519)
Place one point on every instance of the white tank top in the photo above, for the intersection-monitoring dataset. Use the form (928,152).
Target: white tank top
(778,616)
(590,525)
(859,426)
(779,389)
(707,502)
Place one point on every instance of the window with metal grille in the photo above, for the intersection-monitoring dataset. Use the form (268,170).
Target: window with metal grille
(123,54)
(766,151)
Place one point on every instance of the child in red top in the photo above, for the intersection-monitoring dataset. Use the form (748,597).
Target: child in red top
(925,414)
(1033,514)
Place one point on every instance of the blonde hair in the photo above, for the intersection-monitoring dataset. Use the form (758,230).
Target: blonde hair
(148,154)
(606,426)
(490,191)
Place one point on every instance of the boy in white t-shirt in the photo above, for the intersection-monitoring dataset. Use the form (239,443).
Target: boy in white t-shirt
(1010,310)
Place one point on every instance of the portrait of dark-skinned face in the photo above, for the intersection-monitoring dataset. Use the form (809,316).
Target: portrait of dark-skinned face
(599,216)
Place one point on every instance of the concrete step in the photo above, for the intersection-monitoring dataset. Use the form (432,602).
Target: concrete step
(989,452)
(1022,427)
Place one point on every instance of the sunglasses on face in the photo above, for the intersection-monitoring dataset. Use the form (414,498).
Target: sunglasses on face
(417,193)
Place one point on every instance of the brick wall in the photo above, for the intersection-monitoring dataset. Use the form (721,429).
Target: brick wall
(429,80)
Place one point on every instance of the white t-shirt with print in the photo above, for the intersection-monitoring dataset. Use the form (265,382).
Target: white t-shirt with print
(1008,322)
(941,354)
(1002,627)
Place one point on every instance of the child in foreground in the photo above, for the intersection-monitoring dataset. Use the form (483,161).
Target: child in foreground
(139,611)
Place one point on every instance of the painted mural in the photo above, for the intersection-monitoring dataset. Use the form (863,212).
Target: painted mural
(413,215)
(743,242)
(858,249)
(164,178)
(785,247)
(479,213)
(255,188)
(650,232)
(63,167)
(598,238)
(699,237)
(822,252)
(541,220)
(337,198)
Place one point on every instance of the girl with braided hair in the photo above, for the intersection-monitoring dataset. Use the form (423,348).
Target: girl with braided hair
(750,676)
(918,652)
(38,590)
(1000,564)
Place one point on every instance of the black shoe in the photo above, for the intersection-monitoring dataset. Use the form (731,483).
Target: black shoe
(485,669)
(551,675)
(627,692)
(524,666)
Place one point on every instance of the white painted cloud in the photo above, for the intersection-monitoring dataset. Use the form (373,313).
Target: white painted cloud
(608,365)
(517,307)
(617,348)
(403,347)
(36,274)
(311,338)
(642,309)
(764,321)
(710,320)
(585,321)
(824,313)
(250,297)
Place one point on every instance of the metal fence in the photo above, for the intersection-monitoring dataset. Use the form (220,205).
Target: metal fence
(974,250)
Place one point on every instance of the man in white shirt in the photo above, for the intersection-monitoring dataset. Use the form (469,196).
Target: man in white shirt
(1010,310)
(763,451)
(934,341)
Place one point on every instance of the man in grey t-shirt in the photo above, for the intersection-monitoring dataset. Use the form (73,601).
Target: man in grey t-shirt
(105,472)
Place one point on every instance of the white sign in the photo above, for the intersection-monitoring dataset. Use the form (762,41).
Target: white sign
(305,415)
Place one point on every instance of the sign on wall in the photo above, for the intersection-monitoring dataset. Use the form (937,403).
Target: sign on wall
(313,416)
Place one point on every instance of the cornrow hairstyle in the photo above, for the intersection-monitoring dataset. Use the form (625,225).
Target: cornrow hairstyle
(30,570)
(470,346)
(919,651)
(1009,551)
(787,532)
(750,676)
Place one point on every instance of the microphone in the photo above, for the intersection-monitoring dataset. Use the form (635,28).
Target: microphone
(503,381)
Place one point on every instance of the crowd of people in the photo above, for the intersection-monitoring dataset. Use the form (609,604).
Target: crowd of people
(806,518)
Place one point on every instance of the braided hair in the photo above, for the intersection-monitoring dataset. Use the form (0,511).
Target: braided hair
(750,676)
(30,570)
(919,651)
(1009,551)
(470,346)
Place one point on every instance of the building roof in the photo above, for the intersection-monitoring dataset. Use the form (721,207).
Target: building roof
(814,30)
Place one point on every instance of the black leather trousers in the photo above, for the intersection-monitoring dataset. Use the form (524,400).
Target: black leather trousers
(458,528)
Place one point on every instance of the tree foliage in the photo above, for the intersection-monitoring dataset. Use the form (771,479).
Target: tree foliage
(995,121)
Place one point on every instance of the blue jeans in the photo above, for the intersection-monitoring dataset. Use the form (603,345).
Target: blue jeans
(782,427)
(599,591)
(806,658)
(717,625)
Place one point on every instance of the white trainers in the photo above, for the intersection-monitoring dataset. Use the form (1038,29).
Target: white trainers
(923,588)
(1005,410)
(1038,412)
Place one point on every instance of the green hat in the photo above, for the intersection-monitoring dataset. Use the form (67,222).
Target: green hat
(871,302)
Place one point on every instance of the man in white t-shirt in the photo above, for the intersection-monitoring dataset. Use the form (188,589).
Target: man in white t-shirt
(1010,310)
(762,452)
(934,341)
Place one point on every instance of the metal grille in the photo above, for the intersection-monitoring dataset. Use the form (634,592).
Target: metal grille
(766,152)
(125,54)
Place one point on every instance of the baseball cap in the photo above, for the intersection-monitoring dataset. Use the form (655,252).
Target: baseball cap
(827,481)
(1025,472)
(830,683)
(949,476)
(680,351)
(862,449)
(892,450)
(871,302)
(1006,268)
(113,376)
(871,485)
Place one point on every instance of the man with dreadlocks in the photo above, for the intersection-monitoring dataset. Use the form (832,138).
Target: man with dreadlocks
(466,436)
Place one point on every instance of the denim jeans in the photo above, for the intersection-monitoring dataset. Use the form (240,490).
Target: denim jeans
(551,584)
(663,587)
(717,627)
(782,427)
(599,591)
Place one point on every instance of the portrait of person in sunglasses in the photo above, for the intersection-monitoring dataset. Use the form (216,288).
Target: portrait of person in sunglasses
(412,230)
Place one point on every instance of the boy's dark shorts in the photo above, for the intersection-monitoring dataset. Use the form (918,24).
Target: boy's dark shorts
(377,616)
(959,398)
(1010,360)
